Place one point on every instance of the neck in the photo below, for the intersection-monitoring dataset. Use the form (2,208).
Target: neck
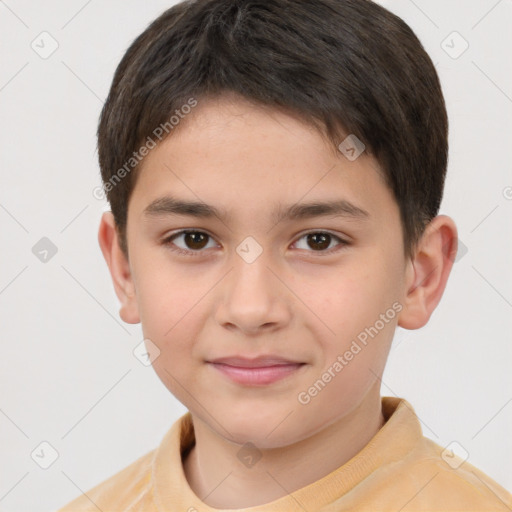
(216,476)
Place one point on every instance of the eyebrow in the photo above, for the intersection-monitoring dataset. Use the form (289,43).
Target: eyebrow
(169,206)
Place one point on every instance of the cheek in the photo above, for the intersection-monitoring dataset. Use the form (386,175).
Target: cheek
(357,307)
(170,318)
(344,299)
(167,298)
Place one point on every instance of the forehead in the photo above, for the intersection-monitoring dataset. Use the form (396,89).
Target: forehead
(229,156)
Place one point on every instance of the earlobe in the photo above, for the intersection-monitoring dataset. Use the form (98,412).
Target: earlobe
(119,268)
(427,273)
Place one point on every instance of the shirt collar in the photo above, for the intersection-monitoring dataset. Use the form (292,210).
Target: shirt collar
(399,435)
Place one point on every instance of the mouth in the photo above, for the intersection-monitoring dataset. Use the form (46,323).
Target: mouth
(261,371)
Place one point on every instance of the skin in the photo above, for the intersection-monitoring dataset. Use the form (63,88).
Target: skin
(294,300)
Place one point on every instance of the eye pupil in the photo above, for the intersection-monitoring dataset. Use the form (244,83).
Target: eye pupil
(320,239)
(194,238)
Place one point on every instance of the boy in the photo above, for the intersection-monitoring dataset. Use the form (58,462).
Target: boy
(275,170)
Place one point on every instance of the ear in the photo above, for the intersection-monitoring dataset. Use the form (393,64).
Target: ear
(427,272)
(119,268)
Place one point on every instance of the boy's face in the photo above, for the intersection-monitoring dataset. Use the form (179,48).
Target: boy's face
(303,298)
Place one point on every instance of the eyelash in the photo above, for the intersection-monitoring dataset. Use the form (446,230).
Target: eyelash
(168,242)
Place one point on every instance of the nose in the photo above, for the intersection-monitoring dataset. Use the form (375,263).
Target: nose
(253,298)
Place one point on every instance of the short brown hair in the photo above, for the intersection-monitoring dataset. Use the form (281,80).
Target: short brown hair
(346,66)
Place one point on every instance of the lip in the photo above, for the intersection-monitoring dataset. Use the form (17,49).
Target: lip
(261,371)
(263,361)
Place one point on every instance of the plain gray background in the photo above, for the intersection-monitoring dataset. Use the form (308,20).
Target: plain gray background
(68,375)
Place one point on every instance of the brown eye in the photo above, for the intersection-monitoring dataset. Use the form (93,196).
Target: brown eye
(188,242)
(195,240)
(320,241)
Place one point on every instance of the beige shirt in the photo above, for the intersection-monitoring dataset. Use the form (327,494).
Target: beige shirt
(398,470)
